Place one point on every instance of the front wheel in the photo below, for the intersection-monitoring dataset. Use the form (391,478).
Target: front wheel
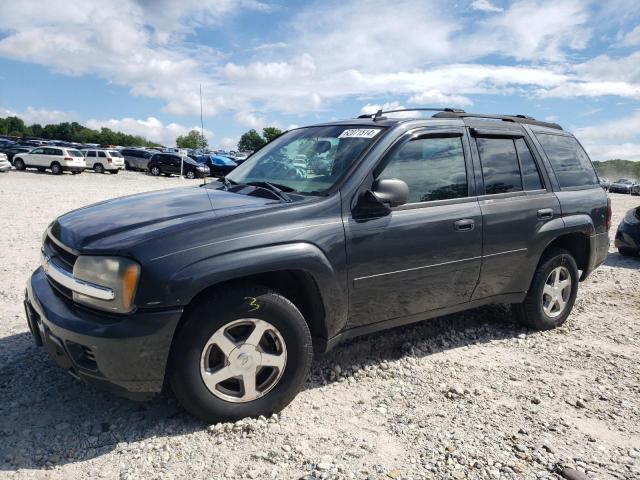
(552,293)
(56,168)
(18,163)
(155,171)
(190,174)
(98,168)
(242,354)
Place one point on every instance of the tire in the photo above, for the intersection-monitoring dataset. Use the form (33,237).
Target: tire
(626,252)
(18,163)
(190,175)
(127,166)
(155,171)
(531,312)
(98,168)
(56,168)
(190,350)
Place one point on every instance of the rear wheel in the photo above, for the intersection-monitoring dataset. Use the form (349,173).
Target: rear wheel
(190,174)
(242,354)
(18,163)
(553,292)
(155,171)
(98,168)
(127,166)
(627,252)
(56,168)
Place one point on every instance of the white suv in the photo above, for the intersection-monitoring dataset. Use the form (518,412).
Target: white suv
(102,161)
(58,159)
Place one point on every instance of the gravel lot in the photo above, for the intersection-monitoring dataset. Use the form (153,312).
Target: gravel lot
(470,395)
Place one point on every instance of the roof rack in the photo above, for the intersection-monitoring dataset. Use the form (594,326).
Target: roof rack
(379,114)
(504,118)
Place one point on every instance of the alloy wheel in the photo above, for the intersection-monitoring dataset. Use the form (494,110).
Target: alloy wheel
(243,360)
(556,292)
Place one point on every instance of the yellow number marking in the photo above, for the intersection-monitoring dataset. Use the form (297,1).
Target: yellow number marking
(253,303)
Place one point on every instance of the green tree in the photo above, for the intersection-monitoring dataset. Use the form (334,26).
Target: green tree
(270,133)
(194,139)
(250,140)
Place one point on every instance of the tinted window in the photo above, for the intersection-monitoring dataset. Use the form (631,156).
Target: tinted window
(102,154)
(73,153)
(38,150)
(569,161)
(433,168)
(530,173)
(92,154)
(57,151)
(500,168)
(115,153)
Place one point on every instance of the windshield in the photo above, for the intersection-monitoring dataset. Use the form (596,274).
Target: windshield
(307,160)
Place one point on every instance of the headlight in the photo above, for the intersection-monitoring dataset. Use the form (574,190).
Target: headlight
(117,273)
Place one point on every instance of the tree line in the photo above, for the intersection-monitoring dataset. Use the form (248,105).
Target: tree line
(70,132)
(617,168)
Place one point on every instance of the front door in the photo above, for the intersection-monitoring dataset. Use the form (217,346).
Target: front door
(426,254)
(516,204)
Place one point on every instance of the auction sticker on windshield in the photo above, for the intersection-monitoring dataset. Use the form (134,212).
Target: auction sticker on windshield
(359,133)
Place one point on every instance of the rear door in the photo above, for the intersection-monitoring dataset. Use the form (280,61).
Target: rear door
(36,157)
(426,254)
(517,202)
(91,158)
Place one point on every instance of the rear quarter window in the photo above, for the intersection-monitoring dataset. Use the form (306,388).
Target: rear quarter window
(569,161)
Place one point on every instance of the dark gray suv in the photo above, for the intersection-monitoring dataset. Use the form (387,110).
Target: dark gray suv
(224,290)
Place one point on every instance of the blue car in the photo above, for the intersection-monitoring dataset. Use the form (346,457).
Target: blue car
(219,165)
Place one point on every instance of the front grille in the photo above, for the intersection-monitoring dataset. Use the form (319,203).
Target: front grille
(62,256)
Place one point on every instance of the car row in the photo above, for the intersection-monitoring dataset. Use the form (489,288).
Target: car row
(624,185)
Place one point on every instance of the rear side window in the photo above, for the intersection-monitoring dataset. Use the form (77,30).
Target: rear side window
(569,161)
(102,154)
(115,153)
(433,168)
(72,153)
(500,168)
(92,154)
(530,173)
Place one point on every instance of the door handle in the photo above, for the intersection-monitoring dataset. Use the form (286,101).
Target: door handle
(545,213)
(464,225)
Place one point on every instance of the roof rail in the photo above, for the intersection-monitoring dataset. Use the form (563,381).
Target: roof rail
(379,114)
(505,118)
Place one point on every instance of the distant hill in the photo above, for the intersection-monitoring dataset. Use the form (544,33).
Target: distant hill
(614,169)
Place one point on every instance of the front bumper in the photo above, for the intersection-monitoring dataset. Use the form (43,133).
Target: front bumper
(125,354)
(628,236)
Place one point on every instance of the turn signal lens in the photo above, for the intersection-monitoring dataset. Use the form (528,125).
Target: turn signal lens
(129,284)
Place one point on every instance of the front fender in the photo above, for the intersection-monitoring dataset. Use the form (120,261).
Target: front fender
(192,279)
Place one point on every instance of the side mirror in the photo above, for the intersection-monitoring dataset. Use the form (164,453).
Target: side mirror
(391,191)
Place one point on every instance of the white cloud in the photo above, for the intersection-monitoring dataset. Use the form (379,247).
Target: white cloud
(249,119)
(271,46)
(613,139)
(229,143)
(42,116)
(485,6)
(150,128)
(436,97)
(632,38)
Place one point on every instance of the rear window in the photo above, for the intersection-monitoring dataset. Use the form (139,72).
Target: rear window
(75,153)
(115,153)
(500,168)
(569,160)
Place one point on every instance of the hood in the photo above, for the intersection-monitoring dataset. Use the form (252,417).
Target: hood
(115,224)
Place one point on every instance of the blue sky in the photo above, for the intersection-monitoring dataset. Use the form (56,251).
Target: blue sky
(136,65)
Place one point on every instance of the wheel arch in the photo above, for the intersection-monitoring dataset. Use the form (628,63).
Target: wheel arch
(298,271)
(577,244)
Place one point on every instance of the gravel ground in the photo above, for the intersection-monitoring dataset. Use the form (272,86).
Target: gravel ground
(470,395)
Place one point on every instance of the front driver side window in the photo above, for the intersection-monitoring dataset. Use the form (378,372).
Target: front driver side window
(433,168)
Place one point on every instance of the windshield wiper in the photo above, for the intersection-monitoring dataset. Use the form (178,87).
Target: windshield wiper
(228,183)
(273,188)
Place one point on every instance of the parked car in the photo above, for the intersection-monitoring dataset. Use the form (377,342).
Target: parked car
(169,163)
(136,158)
(622,185)
(56,159)
(224,290)
(102,161)
(605,183)
(635,189)
(627,239)
(5,165)
(10,152)
(219,166)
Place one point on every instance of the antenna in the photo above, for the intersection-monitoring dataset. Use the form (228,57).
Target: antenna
(204,177)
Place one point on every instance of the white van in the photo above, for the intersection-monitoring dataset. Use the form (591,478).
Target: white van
(102,161)
(57,159)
